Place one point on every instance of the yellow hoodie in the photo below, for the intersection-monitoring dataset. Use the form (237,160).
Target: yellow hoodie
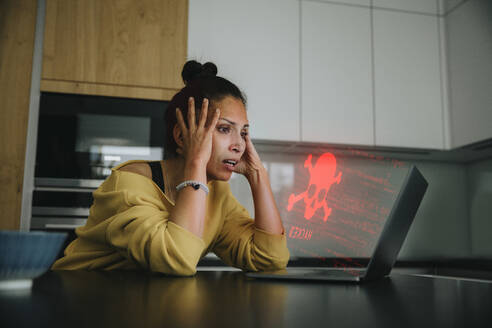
(128,228)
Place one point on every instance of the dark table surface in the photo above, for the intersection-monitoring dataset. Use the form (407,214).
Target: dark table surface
(230,299)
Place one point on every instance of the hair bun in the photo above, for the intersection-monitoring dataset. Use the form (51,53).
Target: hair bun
(193,69)
(209,69)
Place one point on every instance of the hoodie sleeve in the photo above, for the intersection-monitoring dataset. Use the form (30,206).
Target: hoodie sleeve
(137,226)
(241,244)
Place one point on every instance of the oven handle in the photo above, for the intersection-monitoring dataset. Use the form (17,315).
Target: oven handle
(56,226)
(57,211)
(56,223)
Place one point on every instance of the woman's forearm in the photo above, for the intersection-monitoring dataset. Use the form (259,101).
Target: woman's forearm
(267,216)
(190,205)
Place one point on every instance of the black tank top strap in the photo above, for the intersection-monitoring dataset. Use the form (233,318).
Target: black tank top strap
(157,174)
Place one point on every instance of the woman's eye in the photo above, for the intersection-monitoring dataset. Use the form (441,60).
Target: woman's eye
(244,134)
(223,129)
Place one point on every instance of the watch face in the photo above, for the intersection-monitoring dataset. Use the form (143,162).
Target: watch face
(196,186)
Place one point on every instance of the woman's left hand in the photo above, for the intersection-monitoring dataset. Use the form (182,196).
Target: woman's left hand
(250,164)
(267,216)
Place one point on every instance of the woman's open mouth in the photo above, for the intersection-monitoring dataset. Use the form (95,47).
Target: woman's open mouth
(230,164)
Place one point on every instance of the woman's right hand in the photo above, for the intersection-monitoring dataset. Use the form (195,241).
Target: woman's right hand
(197,138)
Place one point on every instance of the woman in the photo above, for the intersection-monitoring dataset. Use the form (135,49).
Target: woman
(165,215)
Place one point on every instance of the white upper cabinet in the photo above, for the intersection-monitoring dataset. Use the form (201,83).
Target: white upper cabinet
(420,6)
(408,103)
(255,44)
(469,30)
(349,2)
(448,5)
(336,88)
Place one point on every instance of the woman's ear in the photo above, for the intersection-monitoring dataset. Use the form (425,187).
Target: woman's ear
(178,136)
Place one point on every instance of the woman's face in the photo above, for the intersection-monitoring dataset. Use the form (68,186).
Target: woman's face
(228,142)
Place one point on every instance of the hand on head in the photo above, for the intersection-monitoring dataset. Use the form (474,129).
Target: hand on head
(250,162)
(195,140)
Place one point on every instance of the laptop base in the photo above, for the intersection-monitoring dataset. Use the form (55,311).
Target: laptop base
(328,274)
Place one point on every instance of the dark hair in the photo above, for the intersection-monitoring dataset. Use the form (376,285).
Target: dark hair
(201,81)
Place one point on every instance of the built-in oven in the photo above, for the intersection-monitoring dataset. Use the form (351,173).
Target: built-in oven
(80,138)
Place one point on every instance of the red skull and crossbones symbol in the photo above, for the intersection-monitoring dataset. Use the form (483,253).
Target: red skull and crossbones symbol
(322,177)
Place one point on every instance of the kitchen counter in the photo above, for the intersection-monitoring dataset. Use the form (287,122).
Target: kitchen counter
(222,298)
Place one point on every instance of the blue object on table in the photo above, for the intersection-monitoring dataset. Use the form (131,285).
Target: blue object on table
(26,255)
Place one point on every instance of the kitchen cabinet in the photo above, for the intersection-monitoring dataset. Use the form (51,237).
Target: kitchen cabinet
(255,44)
(407,80)
(337,101)
(130,49)
(17,27)
(469,40)
(448,5)
(328,72)
(348,2)
(421,6)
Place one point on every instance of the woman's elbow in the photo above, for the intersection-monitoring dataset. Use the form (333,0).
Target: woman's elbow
(281,259)
(279,263)
(175,270)
(272,263)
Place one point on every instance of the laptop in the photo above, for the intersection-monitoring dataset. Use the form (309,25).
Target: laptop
(387,247)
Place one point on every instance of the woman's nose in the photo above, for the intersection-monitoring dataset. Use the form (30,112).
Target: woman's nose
(237,145)
(236,148)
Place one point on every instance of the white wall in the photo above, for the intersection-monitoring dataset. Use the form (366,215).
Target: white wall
(441,228)
(480,207)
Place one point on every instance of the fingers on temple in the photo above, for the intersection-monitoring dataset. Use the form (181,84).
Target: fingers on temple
(181,123)
(203,114)
(215,119)
(191,113)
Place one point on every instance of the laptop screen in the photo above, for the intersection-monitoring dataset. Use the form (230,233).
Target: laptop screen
(338,204)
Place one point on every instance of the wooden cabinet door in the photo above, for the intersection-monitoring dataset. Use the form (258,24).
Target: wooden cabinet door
(17,29)
(130,48)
